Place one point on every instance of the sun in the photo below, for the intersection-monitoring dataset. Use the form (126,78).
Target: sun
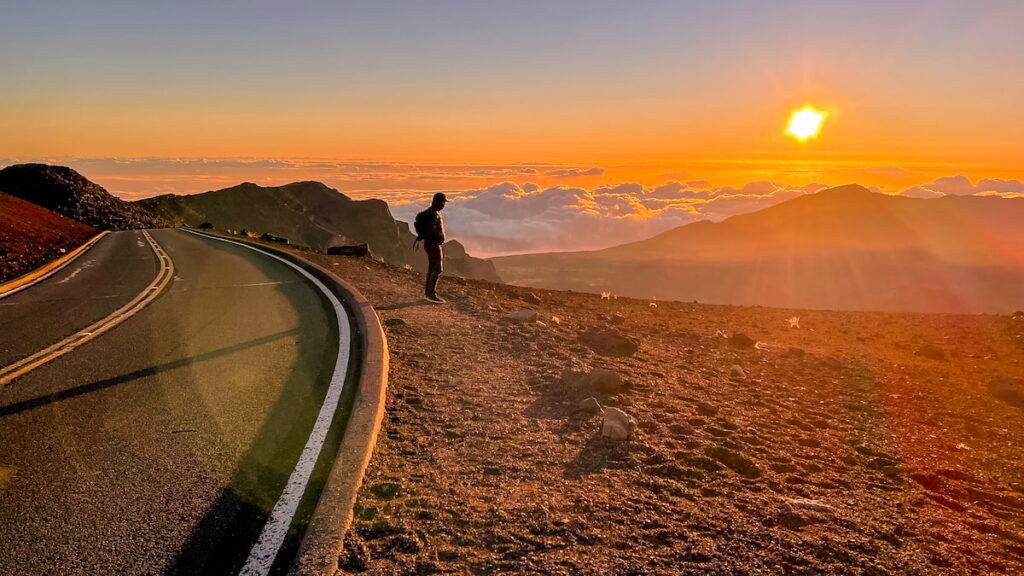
(805,123)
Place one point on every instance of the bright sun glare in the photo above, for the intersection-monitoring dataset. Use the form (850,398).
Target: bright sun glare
(805,123)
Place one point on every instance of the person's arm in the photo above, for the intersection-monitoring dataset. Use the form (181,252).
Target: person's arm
(439,228)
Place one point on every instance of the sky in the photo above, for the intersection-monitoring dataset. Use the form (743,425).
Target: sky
(398,99)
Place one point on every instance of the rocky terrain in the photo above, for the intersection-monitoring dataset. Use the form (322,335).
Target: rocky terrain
(313,215)
(64,191)
(31,236)
(766,441)
(843,248)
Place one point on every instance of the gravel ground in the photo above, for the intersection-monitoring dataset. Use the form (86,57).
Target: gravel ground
(857,443)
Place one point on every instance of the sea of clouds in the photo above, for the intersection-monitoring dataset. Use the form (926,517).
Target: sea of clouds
(509,218)
(501,209)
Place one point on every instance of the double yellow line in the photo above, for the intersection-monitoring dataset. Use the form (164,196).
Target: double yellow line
(162,279)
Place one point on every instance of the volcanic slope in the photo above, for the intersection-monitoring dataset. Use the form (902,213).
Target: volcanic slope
(852,442)
(65,191)
(31,235)
(313,215)
(842,248)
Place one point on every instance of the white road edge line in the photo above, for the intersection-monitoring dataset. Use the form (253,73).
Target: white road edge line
(264,552)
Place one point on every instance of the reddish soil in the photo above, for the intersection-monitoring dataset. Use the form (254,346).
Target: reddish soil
(859,443)
(31,236)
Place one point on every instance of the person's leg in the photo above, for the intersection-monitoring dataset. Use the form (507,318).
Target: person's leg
(431,288)
(434,269)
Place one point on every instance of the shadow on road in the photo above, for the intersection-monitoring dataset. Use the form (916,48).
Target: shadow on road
(24,405)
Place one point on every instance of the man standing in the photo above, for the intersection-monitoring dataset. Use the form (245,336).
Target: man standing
(430,229)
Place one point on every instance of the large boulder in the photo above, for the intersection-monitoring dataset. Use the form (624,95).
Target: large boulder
(609,342)
(358,250)
(741,340)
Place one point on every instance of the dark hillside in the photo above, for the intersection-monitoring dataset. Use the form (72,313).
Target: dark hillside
(65,191)
(313,215)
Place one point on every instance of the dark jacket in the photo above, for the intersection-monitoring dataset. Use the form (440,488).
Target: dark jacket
(433,226)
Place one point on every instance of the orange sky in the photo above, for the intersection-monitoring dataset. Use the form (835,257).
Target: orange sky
(914,91)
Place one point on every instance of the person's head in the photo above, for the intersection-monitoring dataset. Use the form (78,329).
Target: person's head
(439,201)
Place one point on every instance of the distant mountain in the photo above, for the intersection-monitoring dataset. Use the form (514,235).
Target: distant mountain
(65,191)
(842,248)
(313,215)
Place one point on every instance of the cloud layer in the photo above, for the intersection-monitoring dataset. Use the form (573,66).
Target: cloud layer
(509,217)
(536,206)
(961,185)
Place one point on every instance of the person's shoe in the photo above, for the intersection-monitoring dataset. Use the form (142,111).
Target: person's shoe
(436,299)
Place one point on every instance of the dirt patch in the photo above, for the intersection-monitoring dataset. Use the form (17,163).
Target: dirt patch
(856,456)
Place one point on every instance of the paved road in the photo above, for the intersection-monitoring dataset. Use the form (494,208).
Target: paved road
(161,446)
(100,281)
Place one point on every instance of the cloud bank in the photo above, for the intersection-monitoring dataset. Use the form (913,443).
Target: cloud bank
(509,218)
(961,185)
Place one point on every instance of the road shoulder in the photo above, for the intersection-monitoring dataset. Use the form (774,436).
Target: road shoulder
(323,542)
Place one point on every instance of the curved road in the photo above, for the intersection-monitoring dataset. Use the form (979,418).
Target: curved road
(162,445)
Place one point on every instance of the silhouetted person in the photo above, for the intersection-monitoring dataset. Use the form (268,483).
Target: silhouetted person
(430,229)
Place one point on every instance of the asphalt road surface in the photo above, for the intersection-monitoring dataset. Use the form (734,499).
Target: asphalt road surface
(161,446)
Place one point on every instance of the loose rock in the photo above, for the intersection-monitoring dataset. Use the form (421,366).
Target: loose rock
(598,380)
(591,406)
(800,512)
(531,298)
(736,372)
(525,315)
(617,425)
(386,490)
(606,381)
(394,322)
(740,340)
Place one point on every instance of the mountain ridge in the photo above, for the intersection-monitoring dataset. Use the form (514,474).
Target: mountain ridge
(842,248)
(312,214)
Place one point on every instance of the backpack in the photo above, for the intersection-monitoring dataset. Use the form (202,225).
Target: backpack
(422,224)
